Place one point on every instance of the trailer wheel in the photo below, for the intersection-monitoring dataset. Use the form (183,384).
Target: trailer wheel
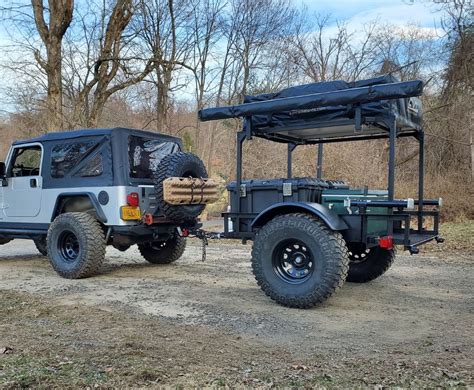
(298,261)
(76,245)
(41,245)
(163,252)
(367,264)
(180,164)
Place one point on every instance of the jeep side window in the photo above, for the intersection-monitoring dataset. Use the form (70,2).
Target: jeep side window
(26,161)
(144,155)
(66,157)
(94,167)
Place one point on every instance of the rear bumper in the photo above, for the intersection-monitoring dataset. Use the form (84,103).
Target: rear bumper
(406,227)
(129,235)
(415,240)
(133,234)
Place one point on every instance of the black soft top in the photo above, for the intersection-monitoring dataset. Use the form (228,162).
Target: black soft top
(65,135)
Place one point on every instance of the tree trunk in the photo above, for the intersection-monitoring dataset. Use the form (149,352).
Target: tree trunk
(55,94)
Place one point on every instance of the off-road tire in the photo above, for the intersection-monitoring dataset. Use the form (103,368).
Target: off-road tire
(163,252)
(367,266)
(4,241)
(41,245)
(90,238)
(326,248)
(180,164)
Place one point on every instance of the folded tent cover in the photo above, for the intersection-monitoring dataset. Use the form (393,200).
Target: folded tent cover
(406,110)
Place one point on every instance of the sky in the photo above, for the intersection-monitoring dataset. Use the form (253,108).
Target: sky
(355,13)
(358,12)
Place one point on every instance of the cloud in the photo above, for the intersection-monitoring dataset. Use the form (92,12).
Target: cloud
(358,13)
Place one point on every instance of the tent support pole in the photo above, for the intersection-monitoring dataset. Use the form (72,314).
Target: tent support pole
(319,163)
(421,178)
(291,147)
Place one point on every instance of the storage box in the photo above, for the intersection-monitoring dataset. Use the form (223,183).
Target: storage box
(257,195)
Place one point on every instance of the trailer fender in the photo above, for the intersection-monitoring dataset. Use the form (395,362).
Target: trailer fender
(330,218)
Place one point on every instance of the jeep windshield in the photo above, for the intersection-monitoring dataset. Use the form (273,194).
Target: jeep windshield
(144,155)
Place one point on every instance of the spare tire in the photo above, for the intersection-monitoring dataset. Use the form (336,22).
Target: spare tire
(180,164)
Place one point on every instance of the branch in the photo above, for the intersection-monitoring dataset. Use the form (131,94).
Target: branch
(38,10)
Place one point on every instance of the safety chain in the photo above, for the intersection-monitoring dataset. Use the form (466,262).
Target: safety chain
(204,237)
(205,243)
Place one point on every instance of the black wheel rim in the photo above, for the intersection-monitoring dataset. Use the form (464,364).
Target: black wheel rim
(293,261)
(358,253)
(68,246)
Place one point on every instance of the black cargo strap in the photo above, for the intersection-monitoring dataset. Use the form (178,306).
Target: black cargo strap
(201,187)
(192,189)
(202,190)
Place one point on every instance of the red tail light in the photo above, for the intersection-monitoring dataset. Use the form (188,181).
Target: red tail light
(133,199)
(386,242)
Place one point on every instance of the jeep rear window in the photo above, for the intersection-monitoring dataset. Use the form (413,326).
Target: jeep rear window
(66,157)
(144,155)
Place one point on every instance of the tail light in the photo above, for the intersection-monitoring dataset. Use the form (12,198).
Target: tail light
(386,242)
(133,199)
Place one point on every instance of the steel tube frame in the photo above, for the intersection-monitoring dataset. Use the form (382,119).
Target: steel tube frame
(319,162)
(291,147)
(391,159)
(246,134)
(421,178)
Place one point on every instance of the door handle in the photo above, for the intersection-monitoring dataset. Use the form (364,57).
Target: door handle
(33,183)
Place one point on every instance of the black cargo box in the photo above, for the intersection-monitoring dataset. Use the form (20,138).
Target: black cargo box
(257,195)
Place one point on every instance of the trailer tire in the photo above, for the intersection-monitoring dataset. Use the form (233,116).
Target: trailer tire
(41,245)
(317,255)
(180,164)
(163,252)
(366,265)
(76,245)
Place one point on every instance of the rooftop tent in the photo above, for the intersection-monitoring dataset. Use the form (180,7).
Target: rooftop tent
(314,111)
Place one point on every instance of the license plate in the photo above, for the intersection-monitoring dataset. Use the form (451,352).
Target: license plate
(130,213)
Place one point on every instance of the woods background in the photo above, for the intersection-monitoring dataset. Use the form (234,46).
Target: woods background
(152,64)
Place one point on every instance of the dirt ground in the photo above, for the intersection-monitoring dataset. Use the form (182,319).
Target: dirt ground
(198,324)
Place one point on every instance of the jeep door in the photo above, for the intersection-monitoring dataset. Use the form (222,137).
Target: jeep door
(22,195)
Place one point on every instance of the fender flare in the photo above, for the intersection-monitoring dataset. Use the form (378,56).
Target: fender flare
(329,217)
(93,199)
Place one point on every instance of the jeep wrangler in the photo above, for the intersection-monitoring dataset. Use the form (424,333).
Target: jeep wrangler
(73,193)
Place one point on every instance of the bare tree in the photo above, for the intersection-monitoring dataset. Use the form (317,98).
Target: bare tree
(59,15)
(453,123)
(322,56)
(206,30)
(165,33)
(107,62)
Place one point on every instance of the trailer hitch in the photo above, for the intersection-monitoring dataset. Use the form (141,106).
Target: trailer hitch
(202,235)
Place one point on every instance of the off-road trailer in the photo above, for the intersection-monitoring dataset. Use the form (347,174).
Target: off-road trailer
(369,222)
